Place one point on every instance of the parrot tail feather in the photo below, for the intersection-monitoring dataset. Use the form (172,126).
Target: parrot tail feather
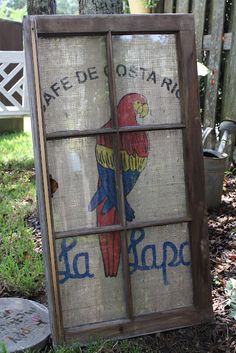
(110,243)
(110,249)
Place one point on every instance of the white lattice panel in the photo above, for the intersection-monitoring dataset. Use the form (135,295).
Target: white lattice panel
(13,86)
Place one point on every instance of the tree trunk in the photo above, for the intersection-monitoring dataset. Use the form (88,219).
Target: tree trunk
(88,7)
(41,7)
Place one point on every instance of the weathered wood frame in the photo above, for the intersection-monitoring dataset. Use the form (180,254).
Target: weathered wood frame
(183,28)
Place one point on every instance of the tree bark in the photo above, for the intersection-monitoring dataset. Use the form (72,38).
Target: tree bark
(88,7)
(41,7)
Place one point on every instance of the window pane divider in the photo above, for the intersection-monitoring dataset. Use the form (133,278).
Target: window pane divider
(107,229)
(119,178)
(58,135)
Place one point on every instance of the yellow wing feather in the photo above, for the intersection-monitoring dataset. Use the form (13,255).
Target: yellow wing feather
(105,158)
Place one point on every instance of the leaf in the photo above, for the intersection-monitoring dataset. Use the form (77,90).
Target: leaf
(230,287)
(233,314)
(202,70)
(3,347)
(230,290)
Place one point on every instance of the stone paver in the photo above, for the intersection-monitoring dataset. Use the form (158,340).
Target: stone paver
(23,324)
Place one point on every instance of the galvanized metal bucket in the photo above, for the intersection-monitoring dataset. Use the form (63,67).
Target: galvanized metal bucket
(214,169)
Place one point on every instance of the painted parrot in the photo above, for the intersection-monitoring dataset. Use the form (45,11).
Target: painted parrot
(134,148)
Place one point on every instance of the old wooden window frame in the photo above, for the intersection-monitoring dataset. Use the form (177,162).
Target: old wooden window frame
(183,28)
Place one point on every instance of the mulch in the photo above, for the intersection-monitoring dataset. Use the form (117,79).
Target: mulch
(220,336)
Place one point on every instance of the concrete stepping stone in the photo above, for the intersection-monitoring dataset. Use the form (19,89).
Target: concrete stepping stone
(24,324)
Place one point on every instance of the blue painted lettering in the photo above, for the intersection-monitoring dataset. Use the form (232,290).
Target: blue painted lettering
(80,263)
(142,258)
(148,260)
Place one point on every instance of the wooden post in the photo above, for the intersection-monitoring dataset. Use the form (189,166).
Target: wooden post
(159,8)
(42,7)
(229,102)
(88,7)
(198,9)
(211,93)
(182,6)
(168,6)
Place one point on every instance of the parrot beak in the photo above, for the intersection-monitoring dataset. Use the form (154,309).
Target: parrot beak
(141,109)
(145,110)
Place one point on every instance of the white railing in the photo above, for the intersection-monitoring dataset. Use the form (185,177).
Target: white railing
(13,84)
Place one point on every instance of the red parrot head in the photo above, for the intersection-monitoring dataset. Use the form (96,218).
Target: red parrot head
(130,107)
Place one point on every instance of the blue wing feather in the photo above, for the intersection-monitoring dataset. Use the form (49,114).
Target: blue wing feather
(98,197)
(129,180)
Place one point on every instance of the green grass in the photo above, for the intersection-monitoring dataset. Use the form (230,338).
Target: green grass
(16,151)
(21,266)
(102,346)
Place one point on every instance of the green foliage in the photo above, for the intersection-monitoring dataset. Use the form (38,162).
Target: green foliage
(92,347)
(230,291)
(18,14)
(230,172)
(3,347)
(16,4)
(151,3)
(10,12)
(17,9)
(216,281)
(99,346)
(3,10)
(129,346)
(21,265)
(75,348)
